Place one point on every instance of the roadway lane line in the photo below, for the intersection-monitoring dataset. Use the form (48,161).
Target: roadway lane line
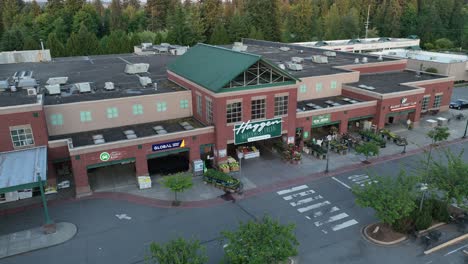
(301,194)
(331,219)
(311,207)
(307,200)
(294,189)
(455,250)
(342,183)
(344,225)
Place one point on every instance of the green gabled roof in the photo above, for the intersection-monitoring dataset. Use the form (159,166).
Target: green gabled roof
(213,67)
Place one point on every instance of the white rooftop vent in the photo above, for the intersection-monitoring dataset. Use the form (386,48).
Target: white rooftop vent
(285,48)
(281,66)
(53,89)
(329,53)
(239,46)
(356,60)
(3,85)
(84,87)
(380,58)
(363,86)
(27,82)
(13,88)
(146,45)
(320,59)
(99,141)
(294,66)
(109,86)
(165,44)
(297,59)
(129,132)
(32,91)
(57,80)
(136,68)
(155,86)
(132,136)
(98,136)
(144,81)
(364,60)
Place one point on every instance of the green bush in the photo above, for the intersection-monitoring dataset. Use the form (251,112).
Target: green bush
(432,70)
(423,219)
(403,225)
(440,211)
(221,176)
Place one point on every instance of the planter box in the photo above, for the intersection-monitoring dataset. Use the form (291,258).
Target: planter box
(225,170)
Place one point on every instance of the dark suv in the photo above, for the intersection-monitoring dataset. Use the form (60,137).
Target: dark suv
(459,104)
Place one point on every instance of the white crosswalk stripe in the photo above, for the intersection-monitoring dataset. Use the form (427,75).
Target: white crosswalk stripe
(311,207)
(344,225)
(301,194)
(304,201)
(294,189)
(361,179)
(320,213)
(331,219)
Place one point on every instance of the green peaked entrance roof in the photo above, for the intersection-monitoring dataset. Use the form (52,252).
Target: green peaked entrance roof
(213,67)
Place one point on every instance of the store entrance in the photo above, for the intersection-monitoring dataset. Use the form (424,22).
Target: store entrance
(323,132)
(169,163)
(112,177)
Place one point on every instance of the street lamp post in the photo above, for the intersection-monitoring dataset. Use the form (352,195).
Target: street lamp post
(423,189)
(466,128)
(404,149)
(328,155)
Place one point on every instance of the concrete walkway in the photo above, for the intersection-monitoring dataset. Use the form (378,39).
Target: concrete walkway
(34,239)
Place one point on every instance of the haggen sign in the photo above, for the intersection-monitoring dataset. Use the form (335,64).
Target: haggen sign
(253,131)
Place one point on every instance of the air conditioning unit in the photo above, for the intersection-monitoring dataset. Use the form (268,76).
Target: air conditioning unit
(32,91)
(294,66)
(380,58)
(146,45)
(329,53)
(144,81)
(57,80)
(136,68)
(53,89)
(281,66)
(364,60)
(297,59)
(3,85)
(13,88)
(27,82)
(320,59)
(84,87)
(109,86)
(356,60)
(285,48)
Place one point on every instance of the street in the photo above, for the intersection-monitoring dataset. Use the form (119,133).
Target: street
(328,222)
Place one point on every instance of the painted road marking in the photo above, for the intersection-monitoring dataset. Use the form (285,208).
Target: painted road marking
(342,183)
(331,219)
(301,194)
(344,225)
(294,189)
(123,216)
(455,250)
(357,176)
(369,182)
(304,201)
(320,213)
(311,207)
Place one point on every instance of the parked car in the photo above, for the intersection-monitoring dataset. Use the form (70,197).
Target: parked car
(459,104)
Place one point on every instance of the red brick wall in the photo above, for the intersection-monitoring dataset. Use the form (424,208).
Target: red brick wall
(443,87)
(382,68)
(38,126)
(79,165)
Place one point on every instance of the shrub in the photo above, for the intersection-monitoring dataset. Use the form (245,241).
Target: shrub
(432,70)
(403,225)
(423,220)
(440,211)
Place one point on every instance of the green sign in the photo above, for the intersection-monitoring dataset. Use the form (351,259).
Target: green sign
(104,156)
(259,130)
(321,120)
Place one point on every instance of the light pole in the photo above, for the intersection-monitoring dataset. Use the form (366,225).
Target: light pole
(328,155)
(404,149)
(466,127)
(423,188)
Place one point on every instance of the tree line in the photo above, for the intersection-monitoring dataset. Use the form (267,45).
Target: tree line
(78,27)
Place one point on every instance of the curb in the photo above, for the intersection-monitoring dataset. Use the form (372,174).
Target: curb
(381,243)
(446,244)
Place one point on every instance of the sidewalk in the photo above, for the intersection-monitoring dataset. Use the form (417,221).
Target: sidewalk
(34,239)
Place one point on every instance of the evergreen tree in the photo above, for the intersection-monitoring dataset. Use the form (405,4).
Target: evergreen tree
(35,9)
(409,20)
(10,11)
(118,42)
(220,35)
(350,24)
(132,3)
(254,33)
(82,43)
(12,39)
(60,30)
(98,7)
(299,22)
(115,15)
(29,43)
(73,6)
(178,29)
(54,44)
(134,39)
(263,15)
(158,38)
(211,11)
(54,7)
(88,17)
(158,12)
(238,28)
(332,24)
(197,25)
(43,25)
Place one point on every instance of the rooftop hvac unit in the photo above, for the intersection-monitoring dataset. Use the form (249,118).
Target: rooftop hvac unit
(53,89)
(356,60)
(294,66)
(329,53)
(178,50)
(320,59)
(281,66)
(13,89)
(239,46)
(99,141)
(57,80)
(27,82)
(380,58)
(364,60)
(285,48)
(136,68)
(146,45)
(84,87)
(144,81)
(109,86)
(3,85)
(297,59)
(32,91)
(165,44)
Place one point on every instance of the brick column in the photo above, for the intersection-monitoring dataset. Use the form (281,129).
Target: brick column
(343,125)
(141,166)
(51,174)
(80,175)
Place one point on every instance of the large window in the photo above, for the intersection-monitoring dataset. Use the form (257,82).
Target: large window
(85,116)
(318,87)
(56,119)
(437,100)
(161,107)
(281,105)
(258,108)
(137,109)
(199,104)
(425,103)
(112,112)
(209,111)
(184,104)
(234,112)
(303,88)
(21,136)
(333,85)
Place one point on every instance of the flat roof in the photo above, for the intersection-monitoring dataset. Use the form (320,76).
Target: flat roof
(391,82)
(270,51)
(424,55)
(94,69)
(117,133)
(326,102)
(342,42)
(21,167)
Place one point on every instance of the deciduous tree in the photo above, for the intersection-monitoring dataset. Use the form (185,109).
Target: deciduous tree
(178,251)
(178,182)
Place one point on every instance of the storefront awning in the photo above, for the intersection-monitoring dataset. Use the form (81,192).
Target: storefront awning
(400,113)
(20,169)
(360,118)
